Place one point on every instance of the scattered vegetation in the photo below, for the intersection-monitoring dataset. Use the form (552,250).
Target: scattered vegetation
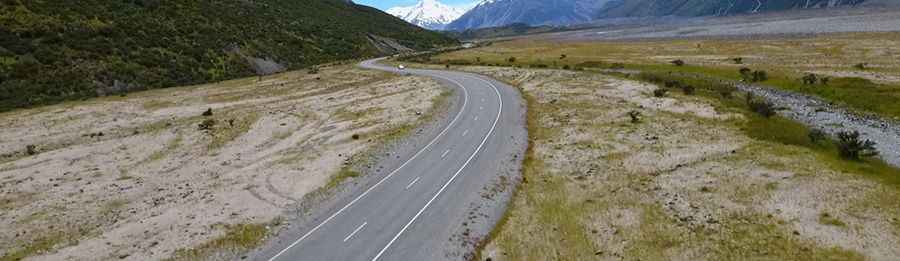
(30,150)
(678,62)
(827,219)
(861,66)
(738,60)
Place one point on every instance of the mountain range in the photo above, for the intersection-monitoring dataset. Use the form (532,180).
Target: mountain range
(51,51)
(429,14)
(494,13)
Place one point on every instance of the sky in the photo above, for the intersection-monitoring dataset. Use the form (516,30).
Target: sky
(385,4)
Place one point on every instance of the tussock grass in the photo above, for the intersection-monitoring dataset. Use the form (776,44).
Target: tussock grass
(237,238)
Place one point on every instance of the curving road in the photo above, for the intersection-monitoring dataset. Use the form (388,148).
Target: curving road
(410,212)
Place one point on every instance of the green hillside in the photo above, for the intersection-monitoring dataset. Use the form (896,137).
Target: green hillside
(56,50)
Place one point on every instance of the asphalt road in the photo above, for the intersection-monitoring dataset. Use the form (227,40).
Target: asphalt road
(409,213)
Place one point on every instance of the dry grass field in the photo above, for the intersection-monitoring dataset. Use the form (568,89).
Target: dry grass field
(864,68)
(693,178)
(151,175)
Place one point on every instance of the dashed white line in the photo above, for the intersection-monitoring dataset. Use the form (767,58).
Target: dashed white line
(355,231)
(445,154)
(465,132)
(444,187)
(476,118)
(441,134)
(412,183)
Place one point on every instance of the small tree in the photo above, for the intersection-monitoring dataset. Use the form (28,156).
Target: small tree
(760,76)
(851,147)
(207,113)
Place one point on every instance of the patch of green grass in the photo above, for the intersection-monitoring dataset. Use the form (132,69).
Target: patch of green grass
(36,247)
(237,238)
(343,175)
(153,105)
(755,238)
(223,132)
(828,219)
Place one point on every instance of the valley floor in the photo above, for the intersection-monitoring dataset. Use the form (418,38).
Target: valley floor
(151,176)
(694,178)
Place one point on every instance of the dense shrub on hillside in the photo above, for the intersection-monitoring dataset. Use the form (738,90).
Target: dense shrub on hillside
(56,50)
(851,146)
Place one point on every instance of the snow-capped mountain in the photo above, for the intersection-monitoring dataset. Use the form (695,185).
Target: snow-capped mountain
(429,14)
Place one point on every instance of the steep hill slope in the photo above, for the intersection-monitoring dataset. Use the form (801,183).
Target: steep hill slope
(52,51)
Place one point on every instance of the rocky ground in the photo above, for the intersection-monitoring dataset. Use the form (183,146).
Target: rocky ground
(190,172)
(683,182)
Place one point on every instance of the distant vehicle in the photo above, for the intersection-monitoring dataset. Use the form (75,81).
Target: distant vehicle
(401,67)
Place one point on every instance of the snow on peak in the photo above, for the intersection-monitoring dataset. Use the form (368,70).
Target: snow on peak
(429,14)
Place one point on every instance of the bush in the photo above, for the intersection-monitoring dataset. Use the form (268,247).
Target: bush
(851,147)
(753,76)
(355,137)
(678,62)
(313,70)
(760,106)
(810,79)
(207,113)
(861,66)
(207,124)
(817,135)
(617,66)
(566,67)
(727,91)
(635,116)
(30,150)
(688,90)
(511,60)
(738,60)
(659,93)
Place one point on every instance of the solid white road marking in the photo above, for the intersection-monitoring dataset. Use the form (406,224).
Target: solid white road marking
(436,195)
(412,183)
(355,231)
(445,154)
(465,132)
(441,134)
